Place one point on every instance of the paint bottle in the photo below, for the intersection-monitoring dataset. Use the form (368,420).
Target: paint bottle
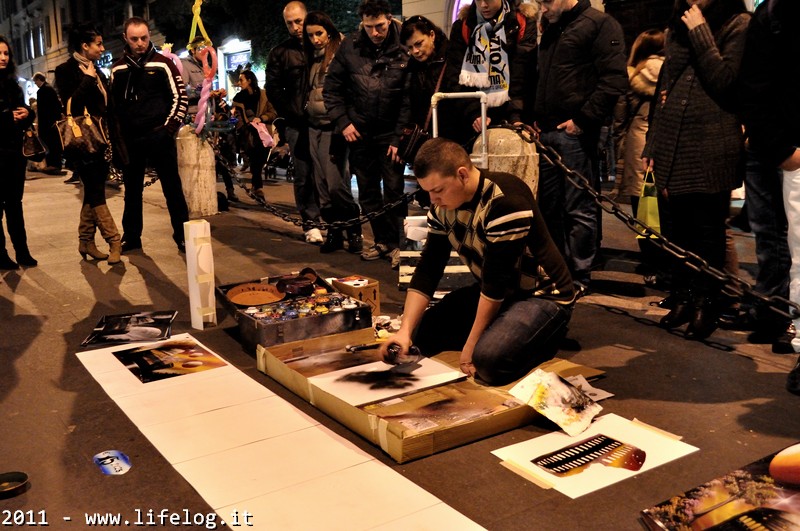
(395,358)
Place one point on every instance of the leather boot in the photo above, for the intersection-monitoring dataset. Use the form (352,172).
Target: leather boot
(86,230)
(705,319)
(109,232)
(681,313)
(6,263)
(334,240)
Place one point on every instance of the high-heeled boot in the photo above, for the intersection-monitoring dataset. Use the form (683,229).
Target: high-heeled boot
(109,232)
(682,311)
(86,229)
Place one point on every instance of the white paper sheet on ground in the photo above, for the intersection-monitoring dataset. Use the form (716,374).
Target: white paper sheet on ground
(378,381)
(226,478)
(222,429)
(659,448)
(118,381)
(173,403)
(360,497)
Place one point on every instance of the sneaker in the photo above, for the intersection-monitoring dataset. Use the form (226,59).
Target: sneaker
(314,236)
(394,256)
(376,252)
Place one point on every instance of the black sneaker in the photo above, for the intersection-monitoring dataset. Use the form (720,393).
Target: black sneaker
(783,344)
(131,245)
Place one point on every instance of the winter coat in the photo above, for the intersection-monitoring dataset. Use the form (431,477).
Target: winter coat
(696,144)
(582,69)
(286,81)
(10,131)
(769,81)
(71,82)
(366,86)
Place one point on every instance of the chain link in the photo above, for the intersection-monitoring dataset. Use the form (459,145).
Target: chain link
(322,225)
(731,284)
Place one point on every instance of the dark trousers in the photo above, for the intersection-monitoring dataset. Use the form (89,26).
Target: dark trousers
(11,190)
(380,181)
(52,141)
(305,190)
(524,334)
(93,174)
(698,225)
(160,151)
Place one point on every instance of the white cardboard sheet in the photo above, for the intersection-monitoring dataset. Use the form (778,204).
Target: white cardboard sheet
(659,447)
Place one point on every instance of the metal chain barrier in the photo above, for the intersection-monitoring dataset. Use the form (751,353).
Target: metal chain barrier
(295,220)
(732,285)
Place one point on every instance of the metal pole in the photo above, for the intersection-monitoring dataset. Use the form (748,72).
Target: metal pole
(482,160)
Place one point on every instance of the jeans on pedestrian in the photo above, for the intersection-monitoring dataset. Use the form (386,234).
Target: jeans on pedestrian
(305,191)
(791,202)
(571,214)
(525,333)
(767,218)
(380,181)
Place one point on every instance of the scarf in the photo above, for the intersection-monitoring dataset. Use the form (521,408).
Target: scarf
(478,70)
(136,71)
(85,62)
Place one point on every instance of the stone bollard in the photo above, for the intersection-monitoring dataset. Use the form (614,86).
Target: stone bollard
(197,169)
(511,154)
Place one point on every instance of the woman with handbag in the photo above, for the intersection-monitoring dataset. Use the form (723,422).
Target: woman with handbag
(327,147)
(83,87)
(695,147)
(251,106)
(15,117)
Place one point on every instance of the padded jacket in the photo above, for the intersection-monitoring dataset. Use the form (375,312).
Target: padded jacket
(582,69)
(286,81)
(366,85)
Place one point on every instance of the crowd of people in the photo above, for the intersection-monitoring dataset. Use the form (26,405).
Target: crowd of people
(702,104)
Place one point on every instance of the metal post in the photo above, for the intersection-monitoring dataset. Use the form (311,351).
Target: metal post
(482,160)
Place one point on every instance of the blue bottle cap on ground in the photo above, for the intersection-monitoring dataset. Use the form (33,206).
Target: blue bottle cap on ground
(112,462)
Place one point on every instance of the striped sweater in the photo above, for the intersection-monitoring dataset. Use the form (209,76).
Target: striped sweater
(501,236)
(148,94)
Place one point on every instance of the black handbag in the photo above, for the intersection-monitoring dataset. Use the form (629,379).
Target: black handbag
(32,147)
(82,135)
(412,138)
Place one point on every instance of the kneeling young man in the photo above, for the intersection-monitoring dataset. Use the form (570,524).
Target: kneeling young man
(512,318)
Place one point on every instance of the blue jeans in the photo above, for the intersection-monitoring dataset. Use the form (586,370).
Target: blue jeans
(767,219)
(524,334)
(571,214)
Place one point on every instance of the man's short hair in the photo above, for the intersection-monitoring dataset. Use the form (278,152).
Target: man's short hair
(374,9)
(38,76)
(195,43)
(134,21)
(441,156)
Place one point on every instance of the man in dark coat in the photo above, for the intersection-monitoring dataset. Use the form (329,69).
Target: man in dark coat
(771,112)
(150,105)
(48,113)
(285,86)
(582,73)
(364,94)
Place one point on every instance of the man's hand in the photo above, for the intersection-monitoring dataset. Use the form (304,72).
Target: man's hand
(392,154)
(793,162)
(401,338)
(570,128)
(477,124)
(465,361)
(19,114)
(351,134)
(693,17)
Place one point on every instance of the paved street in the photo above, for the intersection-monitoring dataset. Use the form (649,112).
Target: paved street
(724,396)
